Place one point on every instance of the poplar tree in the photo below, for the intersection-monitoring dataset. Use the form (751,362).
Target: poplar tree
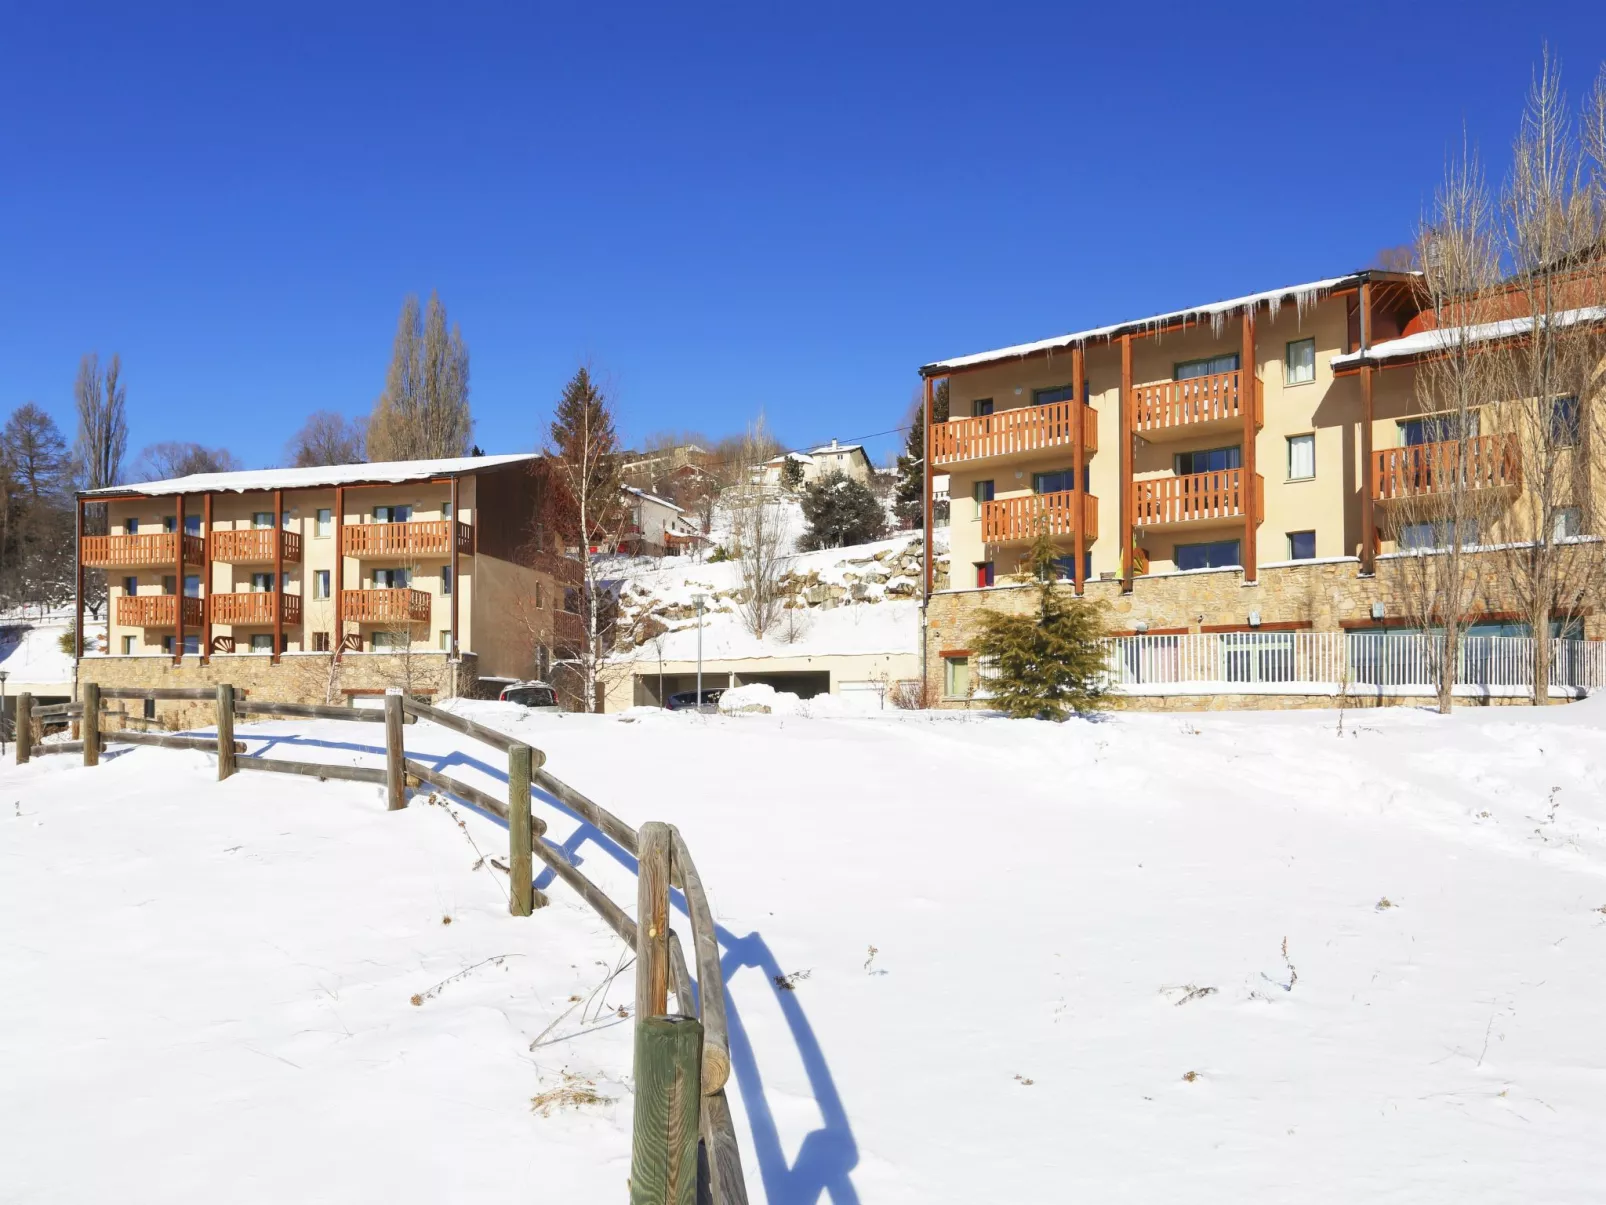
(423,412)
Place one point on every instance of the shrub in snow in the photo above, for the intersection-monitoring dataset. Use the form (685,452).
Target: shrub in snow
(840,511)
(1049,664)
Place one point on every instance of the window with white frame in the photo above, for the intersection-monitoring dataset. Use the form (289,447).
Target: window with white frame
(1299,362)
(320,583)
(1301,457)
(326,521)
(1567,522)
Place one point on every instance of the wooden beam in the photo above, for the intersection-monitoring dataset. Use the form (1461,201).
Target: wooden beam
(339,635)
(457,586)
(652,921)
(206,579)
(1368,519)
(78,605)
(1126,464)
(1248,394)
(178,585)
(1079,459)
(278,576)
(925,455)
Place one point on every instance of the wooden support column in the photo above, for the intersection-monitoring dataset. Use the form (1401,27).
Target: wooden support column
(652,920)
(178,603)
(78,605)
(206,579)
(395,752)
(278,575)
(926,470)
(1126,464)
(1079,459)
(225,731)
(1368,486)
(1248,398)
(340,571)
(457,586)
(22,730)
(89,724)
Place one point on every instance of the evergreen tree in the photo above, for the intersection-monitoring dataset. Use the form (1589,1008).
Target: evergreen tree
(840,511)
(791,473)
(910,506)
(1049,664)
(36,519)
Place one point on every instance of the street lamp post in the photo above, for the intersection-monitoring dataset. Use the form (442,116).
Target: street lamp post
(699,599)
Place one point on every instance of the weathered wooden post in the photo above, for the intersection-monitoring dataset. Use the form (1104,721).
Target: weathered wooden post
(669,1050)
(225,731)
(520,870)
(395,755)
(24,727)
(91,723)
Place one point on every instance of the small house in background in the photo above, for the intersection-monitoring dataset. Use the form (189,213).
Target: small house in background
(656,526)
(850,460)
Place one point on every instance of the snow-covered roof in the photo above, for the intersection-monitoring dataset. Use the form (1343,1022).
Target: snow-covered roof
(630,489)
(802,457)
(1425,343)
(318,475)
(1216,312)
(837,448)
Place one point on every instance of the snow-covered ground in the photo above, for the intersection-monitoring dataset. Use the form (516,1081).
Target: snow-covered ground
(1205,958)
(30,646)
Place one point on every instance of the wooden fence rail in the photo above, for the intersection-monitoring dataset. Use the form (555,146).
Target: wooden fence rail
(682,1060)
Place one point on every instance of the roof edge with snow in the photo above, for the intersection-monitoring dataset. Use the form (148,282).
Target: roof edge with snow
(1427,343)
(384,472)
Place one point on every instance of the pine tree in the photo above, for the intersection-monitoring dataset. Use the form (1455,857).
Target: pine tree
(791,473)
(1050,664)
(911,491)
(840,511)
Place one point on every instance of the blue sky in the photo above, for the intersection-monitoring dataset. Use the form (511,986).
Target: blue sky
(724,210)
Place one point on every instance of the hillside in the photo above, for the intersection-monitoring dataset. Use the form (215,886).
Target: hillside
(1217,958)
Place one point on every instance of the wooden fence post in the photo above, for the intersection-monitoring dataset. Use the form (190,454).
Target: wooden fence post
(225,731)
(395,755)
(91,723)
(652,920)
(663,1140)
(520,870)
(24,727)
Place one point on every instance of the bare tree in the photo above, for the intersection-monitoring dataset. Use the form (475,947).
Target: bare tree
(102,423)
(1447,485)
(327,438)
(1552,230)
(423,413)
(174,458)
(760,537)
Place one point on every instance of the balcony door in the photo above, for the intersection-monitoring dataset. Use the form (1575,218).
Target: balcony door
(262,583)
(393,514)
(1436,429)
(1208,460)
(1210,366)
(392,579)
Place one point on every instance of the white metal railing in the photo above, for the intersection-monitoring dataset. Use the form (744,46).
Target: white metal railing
(1336,662)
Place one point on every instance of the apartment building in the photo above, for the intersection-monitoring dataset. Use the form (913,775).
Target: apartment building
(1237,466)
(291,580)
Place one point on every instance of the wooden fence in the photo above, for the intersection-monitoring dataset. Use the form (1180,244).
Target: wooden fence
(683,1142)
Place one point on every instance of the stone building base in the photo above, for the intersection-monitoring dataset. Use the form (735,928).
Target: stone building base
(297,678)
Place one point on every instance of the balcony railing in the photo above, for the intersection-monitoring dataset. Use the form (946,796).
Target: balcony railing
(1010,432)
(1484,462)
(1168,405)
(141,551)
(156,611)
(254,545)
(1017,520)
(1196,498)
(404,541)
(385,606)
(255,608)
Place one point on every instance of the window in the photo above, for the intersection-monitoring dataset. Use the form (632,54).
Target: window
(540,596)
(392,579)
(128,646)
(1065,567)
(446,579)
(1302,545)
(981,406)
(1567,522)
(262,642)
(1259,656)
(1299,362)
(388,641)
(320,642)
(149,710)
(1047,397)
(192,525)
(1301,457)
(169,584)
(446,510)
(1435,429)
(1210,460)
(1208,367)
(984,573)
(132,527)
(1217,554)
(261,583)
(169,523)
(983,492)
(1054,483)
(262,518)
(446,641)
(326,521)
(1564,422)
(192,645)
(192,585)
(1436,534)
(320,583)
(131,585)
(571,600)
(393,514)
(956,677)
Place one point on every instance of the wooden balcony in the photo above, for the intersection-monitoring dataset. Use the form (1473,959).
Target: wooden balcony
(1019,520)
(254,546)
(146,550)
(157,611)
(405,541)
(1197,498)
(1014,434)
(385,606)
(256,608)
(1485,462)
(1174,409)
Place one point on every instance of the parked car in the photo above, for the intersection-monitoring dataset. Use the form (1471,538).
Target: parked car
(686,700)
(537,696)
